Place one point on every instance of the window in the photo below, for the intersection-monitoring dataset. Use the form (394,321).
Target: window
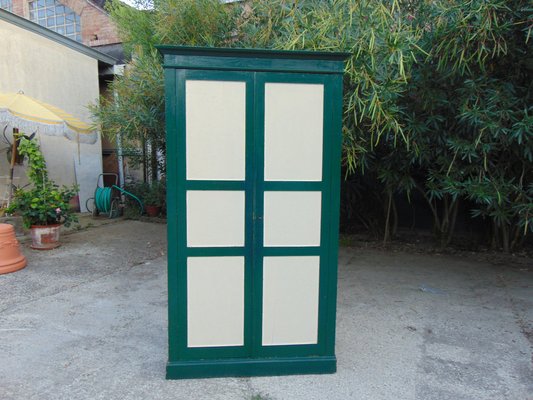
(6,5)
(57,17)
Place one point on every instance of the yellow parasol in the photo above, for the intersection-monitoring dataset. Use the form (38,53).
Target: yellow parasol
(29,114)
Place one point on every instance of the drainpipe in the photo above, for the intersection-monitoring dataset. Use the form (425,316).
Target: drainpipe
(119,70)
(12,164)
(120,158)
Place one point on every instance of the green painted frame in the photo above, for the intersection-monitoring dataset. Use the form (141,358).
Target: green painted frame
(255,68)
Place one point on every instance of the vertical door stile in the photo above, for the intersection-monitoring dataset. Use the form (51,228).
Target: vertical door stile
(335,99)
(325,260)
(172,79)
(258,152)
(180,272)
(249,222)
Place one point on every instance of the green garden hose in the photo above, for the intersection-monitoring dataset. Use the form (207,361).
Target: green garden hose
(131,195)
(102,199)
(104,202)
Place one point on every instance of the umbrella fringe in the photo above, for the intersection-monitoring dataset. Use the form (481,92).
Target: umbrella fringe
(62,129)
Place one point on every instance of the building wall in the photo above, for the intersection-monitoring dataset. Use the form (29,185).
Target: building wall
(97,29)
(58,75)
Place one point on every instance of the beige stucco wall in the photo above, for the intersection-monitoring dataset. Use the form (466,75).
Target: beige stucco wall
(58,75)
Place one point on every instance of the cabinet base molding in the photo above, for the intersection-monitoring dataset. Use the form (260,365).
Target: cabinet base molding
(251,367)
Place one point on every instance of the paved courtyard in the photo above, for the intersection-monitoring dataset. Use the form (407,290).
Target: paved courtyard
(88,321)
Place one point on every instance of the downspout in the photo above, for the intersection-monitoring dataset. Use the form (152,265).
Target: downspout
(119,70)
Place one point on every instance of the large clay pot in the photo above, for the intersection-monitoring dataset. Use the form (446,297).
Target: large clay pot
(45,237)
(11,259)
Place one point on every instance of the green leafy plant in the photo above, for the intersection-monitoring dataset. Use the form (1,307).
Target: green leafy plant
(156,194)
(44,203)
(151,194)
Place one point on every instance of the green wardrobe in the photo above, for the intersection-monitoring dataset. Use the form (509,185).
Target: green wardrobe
(253,173)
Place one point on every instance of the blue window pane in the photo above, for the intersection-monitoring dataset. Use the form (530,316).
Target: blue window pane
(55,16)
(6,5)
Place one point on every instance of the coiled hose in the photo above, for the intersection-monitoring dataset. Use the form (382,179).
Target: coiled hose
(103,199)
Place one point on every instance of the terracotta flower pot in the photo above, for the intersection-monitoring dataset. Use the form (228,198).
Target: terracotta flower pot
(11,259)
(153,211)
(74,204)
(45,237)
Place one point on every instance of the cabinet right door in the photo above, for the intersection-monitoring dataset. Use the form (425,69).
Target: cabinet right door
(292,199)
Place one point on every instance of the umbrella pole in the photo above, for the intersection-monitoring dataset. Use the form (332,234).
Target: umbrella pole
(12,166)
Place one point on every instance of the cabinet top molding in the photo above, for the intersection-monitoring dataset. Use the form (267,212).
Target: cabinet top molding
(235,59)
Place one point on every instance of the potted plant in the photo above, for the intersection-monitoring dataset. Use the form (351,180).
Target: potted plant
(44,207)
(154,199)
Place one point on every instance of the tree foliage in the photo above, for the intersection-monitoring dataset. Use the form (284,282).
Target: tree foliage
(470,104)
(383,49)
(437,94)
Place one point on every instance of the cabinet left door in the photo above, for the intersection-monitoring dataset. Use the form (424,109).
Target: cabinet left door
(209,154)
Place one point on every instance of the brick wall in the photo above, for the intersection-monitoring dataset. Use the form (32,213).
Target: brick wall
(18,7)
(97,29)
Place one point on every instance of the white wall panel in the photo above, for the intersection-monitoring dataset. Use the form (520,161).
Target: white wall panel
(290,300)
(215,218)
(215,301)
(292,218)
(293,131)
(215,130)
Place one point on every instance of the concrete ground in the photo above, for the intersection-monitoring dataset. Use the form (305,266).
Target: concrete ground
(88,321)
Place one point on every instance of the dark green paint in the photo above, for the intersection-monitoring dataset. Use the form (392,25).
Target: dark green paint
(306,55)
(256,60)
(293,186)
(215,185)
(249,66)
(251,367)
